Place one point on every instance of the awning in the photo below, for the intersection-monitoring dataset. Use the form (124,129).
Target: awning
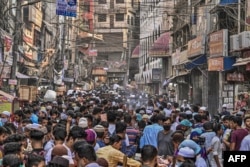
(242,61)
(228,63)
(136,51)
(160,47)
(196,62)
(21,76)
(8,96)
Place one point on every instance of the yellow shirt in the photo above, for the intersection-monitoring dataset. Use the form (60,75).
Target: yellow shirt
(114,156)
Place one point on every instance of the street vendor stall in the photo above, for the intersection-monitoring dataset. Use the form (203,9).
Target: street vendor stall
(8,102)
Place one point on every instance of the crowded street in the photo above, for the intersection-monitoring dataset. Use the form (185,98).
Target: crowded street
(124,83)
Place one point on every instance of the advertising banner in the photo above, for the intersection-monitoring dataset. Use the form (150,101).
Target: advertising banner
(66,7)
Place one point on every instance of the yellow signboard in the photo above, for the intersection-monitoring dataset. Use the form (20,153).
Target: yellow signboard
(5,107)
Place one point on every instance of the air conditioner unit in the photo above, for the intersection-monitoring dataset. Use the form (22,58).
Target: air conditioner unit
(234,43)
(85,45)
(244,40)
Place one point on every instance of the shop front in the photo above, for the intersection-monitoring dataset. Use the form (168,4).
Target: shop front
(196,65)
(239,80)
(181,76)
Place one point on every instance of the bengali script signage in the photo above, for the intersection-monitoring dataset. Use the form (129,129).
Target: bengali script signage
(216,64)
(66,7)
(218,43)
(196,47)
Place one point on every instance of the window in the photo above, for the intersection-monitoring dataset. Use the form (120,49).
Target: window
(132,3)
(37,38)
(119,17)
(102,1)
(132,20)
(87,6)
(128,19)
(119,1)
(102,17)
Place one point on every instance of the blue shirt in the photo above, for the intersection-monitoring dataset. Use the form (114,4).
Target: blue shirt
(245,144)
(34,118)
(150,134)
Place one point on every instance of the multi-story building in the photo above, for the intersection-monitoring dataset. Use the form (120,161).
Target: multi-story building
(115,21)
(155,44)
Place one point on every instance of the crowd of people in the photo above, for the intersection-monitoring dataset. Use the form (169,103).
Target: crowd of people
(85,130)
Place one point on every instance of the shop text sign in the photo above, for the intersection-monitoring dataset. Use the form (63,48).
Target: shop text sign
(216,64)
(196,46)
(66,8)
(218,43)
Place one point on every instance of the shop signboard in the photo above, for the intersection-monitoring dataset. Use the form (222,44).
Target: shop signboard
(196,47)
(156,74)
(218,43)
(66,8)
(35,16)
(216,64)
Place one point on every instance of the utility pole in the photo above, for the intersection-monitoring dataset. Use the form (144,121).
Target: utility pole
(17,38)
(239,15)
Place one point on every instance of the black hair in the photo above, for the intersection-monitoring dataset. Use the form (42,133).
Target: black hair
(97,110)
(195,108)
(188,163)
(12,148)
(11,160)
(148,153)
(216,127)
(183,115)
(77,133)
(77,145)
(53,111)
(208,126)
(120,127)
(198,118)
(59,133)
(2,130)
(19,113)
(178,136)
(89,117)
(237,120)
(160,117)
(111,116)
(36,135)
(71,113)
(27,121)
(79,115)
(105,124)
(14,138)
(127,118)
(86,151)
(114,139)
(33,160)
(10,127)
(142,124)
(226,118)
(246,118)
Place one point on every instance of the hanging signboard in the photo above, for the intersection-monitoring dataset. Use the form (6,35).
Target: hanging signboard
(156,74)
(66,8)
(216,64)
(218,43)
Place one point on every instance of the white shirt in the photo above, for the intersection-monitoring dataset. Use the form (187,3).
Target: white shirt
(217,150)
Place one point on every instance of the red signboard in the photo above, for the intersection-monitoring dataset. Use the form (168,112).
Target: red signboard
(216,64)
(218,43)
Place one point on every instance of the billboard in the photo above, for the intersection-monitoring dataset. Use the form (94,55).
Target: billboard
(66,7)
